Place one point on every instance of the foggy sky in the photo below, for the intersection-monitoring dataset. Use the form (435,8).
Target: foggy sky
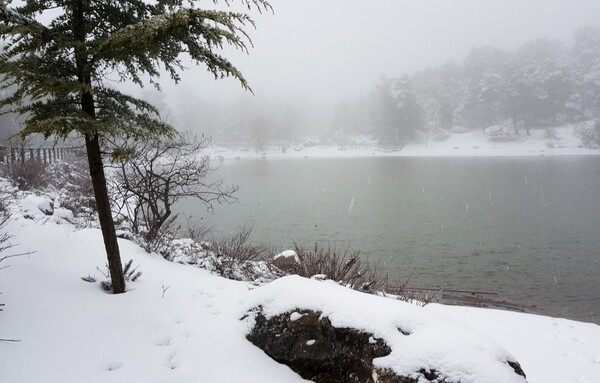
(325,51)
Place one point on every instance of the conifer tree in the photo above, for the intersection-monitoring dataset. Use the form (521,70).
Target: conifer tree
(57,56)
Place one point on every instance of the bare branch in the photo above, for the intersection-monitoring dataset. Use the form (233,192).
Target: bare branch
(15,255)
(157,174)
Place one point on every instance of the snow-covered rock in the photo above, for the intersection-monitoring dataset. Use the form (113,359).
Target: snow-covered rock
(319,352)
(35,204)
(423,346)
(287,254)
(286,260)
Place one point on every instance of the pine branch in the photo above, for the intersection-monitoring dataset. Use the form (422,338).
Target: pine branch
(161,38)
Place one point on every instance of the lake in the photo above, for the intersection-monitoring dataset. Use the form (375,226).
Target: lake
(526,228)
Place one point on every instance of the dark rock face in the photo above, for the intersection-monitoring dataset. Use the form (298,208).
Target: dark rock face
(317,351)
(516,368)
(306,341)
(285,264)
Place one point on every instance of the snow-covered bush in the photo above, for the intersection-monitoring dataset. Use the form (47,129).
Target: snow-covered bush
(232,257)
(238,256)
(497,131)
(589,133)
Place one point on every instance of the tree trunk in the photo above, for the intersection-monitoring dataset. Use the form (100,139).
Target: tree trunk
(92,145)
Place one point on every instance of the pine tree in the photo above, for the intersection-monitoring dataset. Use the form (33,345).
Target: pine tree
(58,54)
(485,86)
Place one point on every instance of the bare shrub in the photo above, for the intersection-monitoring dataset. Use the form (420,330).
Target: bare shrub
(27,175)
(346,268)
(418,296)
(196,231)
(341,265)
(240,248)
(238,258)
(160,242)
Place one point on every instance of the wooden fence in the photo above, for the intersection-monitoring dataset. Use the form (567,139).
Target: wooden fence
(48,155)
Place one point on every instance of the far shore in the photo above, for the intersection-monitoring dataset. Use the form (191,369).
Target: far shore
(468,144)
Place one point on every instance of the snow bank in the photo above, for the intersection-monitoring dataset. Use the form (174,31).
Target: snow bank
(175,324)
(35,204)
(549,349)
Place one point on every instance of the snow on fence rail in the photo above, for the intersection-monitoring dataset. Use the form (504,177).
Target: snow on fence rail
(12,154)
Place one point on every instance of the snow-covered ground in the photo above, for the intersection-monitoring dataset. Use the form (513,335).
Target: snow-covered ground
(563,141)
(181,324)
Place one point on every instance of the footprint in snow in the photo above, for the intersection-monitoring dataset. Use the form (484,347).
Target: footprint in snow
(113,366)
(171,361)
(164,342)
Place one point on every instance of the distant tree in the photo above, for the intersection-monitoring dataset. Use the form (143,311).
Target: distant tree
(539,83)
(439,91)
(351,119)
(58,55)
(260,132)
(384,110)
(342,123)
(286,119)
(409,113)
(398,115)
(586,68)
(485,86)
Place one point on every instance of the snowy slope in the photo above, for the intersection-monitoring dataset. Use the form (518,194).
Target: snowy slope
(181,324)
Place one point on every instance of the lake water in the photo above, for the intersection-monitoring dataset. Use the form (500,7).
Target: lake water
(525,228)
